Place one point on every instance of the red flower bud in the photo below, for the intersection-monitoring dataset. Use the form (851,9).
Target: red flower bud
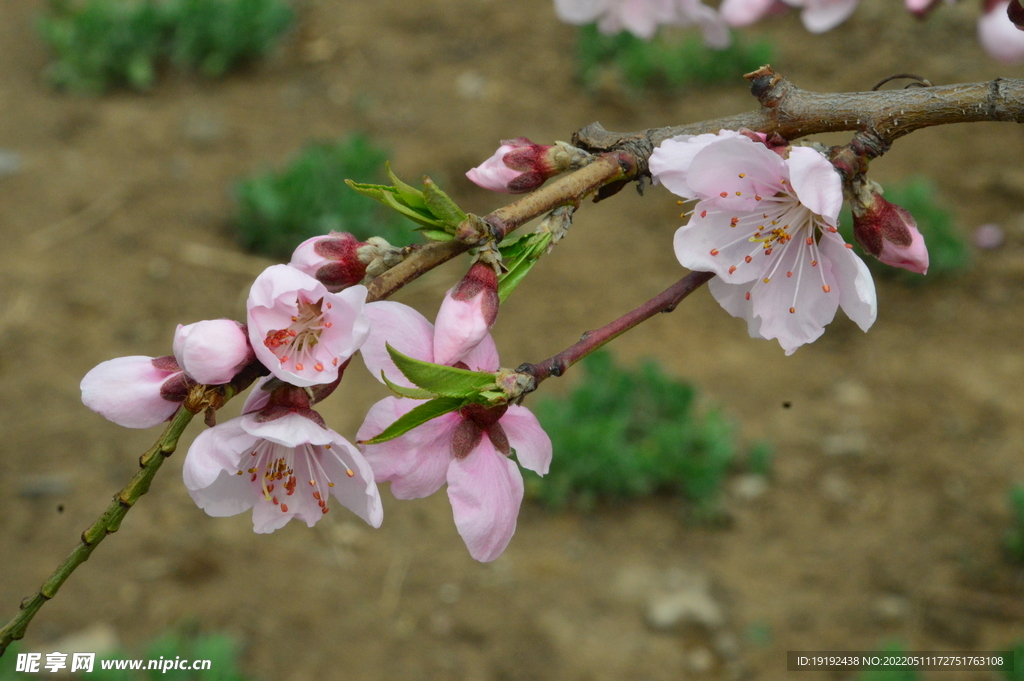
(520,166)
(333,260)
(887,231)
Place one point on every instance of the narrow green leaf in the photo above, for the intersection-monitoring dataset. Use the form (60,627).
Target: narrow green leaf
(417,417)
(402,391)
(522,256)
(441,205)
(414,215)
(410,196)
(373,191)
(442,380)
(434,234)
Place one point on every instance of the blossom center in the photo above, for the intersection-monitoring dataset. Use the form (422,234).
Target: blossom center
(299,340)
(272,470)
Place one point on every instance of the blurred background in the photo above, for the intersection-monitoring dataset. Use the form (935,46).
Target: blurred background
(854,496)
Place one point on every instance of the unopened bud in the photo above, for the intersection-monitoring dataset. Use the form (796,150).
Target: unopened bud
(466,315)
(887,231)
(1015,10)
(520,166)
(333,260)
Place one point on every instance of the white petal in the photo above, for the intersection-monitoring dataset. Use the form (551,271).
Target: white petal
(733,299)
(856,287)
(402,327)
(815,182)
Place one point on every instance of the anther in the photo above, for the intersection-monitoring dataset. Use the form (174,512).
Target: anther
(742,175)
(814,263)
(747,259)
(826,288)
(792,310)
(324,509)
(318,366)
(789,274)
(714,251)
(732,269)
(767,279)
(334,361)
(274,500)
(810,241)
(748,295)
(850,246)
(284,508)
(724,194)
(757,197)
(298,367)
(703,213)
(331,484)
(739,193)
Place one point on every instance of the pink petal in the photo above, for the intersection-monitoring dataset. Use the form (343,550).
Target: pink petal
(357,493)
(493,174)
(739,168)
(532,444)
(459,327)
(212,351)
(823,15)
(913,257)
(211,469)
(856,288)
(708,243)
(745,12)
(291,430)
(815,182)
(733,299)
(486,490)
(639,17)
(580,11)
(670,161)
(483,357)
(405,329)
(415,463)
(267,517)
(803,292)
(999,37)
(126,391)
(258,398)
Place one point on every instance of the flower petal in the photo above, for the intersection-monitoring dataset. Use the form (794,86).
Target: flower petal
(483,357)
(405,329)
(857,289)
(670,161)
(733,298)
(998,36)
(211,469)
(416,463)
(291,430)
(459,327)
(486,490)
(212,351)
(823,15)
(126,391)
(815,182)
(357,493)
(738,168)
(580,11)
(527,437)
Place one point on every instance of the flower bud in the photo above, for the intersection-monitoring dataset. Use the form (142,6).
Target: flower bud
(333,260)
(466,315)
(1015,10)
(520,166)
(887,231)
(212,352)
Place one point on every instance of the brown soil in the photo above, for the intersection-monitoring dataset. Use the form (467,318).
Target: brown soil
(886,510)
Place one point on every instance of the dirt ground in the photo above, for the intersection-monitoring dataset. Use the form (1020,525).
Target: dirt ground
(884,516)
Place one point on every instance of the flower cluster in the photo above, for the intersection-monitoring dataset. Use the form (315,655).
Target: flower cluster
(996,28)
(305,321)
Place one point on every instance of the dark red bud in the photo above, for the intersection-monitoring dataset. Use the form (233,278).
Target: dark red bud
(346,269)
(1016,13)
(175,388)
(881,221)
(481,280)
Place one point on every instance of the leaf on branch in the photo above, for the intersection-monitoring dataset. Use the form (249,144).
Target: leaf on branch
(434,234)
(443,380)
(425,412)
(402,391)
(410,196)
(519,257)
(441,205)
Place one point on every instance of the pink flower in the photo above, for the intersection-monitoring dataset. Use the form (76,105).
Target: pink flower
(747,12)
(997,34)
(299,330)
(467,313)
(643,17)
(282,462)
(887,231)
(469,450)
(332,259)
(767,227)
(212,352)
(818,16)
(136,392)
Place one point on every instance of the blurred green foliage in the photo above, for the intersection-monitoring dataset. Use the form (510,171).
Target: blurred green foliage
(279,210)
(1016,673)
(100,43)
(629,433)
(948,252)
(1013,541)
(666,63)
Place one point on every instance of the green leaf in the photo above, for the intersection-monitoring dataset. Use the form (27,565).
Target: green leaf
(389,199)
(373,191)
(434,234)
(410,196)
(417,417)
(402,391)
(520,257)
(441,205)
(442,380)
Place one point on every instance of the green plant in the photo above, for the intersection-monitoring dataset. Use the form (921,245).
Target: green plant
(948,252)
(99,42)
(666,62)
(1013,540)
(278,210)
(629,433)
(215,35)
(220,650)
(1013,670)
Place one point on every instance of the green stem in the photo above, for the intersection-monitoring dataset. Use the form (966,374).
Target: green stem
(109,522)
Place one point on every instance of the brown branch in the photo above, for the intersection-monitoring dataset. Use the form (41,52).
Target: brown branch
(793,113)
